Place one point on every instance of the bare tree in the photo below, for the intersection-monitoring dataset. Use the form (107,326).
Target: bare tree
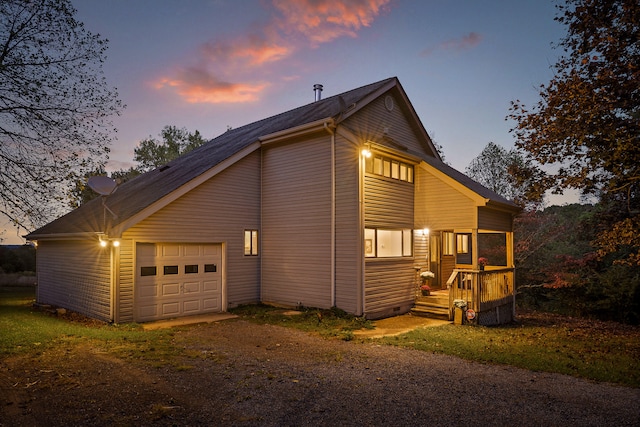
(55,107)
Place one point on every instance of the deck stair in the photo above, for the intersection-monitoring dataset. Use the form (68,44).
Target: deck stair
(435,305)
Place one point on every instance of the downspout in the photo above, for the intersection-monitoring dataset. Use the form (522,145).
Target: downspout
(333,213)
(350,136)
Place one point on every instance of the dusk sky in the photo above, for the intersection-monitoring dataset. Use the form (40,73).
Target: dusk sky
(211,64)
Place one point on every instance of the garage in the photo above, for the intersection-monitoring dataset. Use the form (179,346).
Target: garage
(177,279)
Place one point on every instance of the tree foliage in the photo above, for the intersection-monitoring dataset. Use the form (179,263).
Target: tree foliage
(149,154)
(54,107)
(175,142)
(587,121)
(494,168)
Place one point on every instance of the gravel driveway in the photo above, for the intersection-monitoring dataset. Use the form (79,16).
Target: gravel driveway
(242,374)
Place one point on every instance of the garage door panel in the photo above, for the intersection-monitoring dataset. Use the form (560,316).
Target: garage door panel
(148,310)
(212,304)
(191,251)
(177,279)
(191,287)
(169,250)
(191,306)
(170,289)
(171,309)
(211,250)
(210,286)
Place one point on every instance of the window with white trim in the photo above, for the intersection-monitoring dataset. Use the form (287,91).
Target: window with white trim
(388,243)
(390,168)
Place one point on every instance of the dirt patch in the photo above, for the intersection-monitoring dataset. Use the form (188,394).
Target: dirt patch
(238,373)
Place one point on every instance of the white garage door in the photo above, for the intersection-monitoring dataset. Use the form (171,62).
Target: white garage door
(174,280)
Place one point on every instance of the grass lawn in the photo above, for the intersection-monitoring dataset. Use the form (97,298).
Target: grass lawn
(600,351)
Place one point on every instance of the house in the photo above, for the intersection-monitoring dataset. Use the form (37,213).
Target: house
(338,203)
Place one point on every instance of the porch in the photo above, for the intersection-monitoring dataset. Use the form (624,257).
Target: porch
(484,297)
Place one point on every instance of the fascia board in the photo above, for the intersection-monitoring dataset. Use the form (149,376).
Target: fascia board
(296,131)
(63,236)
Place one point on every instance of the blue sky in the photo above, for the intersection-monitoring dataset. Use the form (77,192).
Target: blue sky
(210,64)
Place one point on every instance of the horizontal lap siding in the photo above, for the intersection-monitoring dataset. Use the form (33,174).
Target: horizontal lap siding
(375,122)
(388,203)
(389,287)
(348,241)
(388,282)
(442,207)
(217,211)
(75,275)
(296,224)
(494,220)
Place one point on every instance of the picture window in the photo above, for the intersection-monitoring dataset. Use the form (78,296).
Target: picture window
(387,243)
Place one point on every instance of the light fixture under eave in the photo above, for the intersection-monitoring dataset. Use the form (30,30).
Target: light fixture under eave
(103,243)
(366,151)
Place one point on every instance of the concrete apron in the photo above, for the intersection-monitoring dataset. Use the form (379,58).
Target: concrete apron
(384,327)
(188,320)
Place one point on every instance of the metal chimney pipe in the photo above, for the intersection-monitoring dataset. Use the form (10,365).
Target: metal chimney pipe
(317,88)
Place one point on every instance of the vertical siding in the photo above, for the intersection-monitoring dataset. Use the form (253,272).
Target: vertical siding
(296,223)
(494,220)
(75,275)
(218,211)
(442,207)
(348,241)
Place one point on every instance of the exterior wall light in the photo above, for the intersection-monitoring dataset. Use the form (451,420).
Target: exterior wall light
(105,242)
(366,152)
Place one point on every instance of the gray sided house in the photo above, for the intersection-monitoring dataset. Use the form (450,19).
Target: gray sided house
(339,203)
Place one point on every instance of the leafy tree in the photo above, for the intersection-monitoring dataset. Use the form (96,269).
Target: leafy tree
(494,168)
(54,107)
(587,121)
(151,153)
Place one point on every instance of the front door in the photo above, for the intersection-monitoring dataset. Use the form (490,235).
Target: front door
(447,256)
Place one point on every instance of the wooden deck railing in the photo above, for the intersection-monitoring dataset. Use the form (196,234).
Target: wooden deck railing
(482,290)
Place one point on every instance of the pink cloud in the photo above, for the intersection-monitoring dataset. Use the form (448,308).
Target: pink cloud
(321,21)
(467,41)
(196,85)
(225,68)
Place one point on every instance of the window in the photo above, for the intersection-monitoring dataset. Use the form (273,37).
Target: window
(210,268)
(251,242)
(191,269)
(462,243)
(386,243)
(447,243)
(147,271)
(385,166)
(170,269)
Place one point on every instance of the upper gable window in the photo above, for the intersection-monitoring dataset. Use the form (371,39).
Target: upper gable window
(390,168)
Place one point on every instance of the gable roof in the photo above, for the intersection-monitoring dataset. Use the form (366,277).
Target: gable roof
(133,196)
(147,193)
(476,191)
